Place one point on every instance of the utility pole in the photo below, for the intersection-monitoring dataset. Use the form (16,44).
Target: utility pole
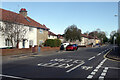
(114,42)
(118,17)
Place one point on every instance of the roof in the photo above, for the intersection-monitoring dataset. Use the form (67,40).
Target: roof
(83,35)
(51,33)
(13,17)
(89,37)
(60,36)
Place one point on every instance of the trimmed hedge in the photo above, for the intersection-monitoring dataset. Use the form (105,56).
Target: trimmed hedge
(52,42)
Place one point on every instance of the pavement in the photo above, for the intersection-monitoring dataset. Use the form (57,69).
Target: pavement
(10,58)
(114,54)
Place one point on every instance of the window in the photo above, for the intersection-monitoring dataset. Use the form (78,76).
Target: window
(31,42)
(41,31)
(30,29)
(7,42)
(27,19)
(49,35)
(40,42)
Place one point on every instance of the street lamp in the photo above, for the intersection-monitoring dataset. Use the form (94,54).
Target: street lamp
(118,22)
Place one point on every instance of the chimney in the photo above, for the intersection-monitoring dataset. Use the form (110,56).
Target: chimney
(23,12)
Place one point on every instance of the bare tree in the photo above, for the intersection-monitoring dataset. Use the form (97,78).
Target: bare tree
(13,32)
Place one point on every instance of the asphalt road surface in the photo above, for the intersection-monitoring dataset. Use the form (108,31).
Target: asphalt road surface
(85,63)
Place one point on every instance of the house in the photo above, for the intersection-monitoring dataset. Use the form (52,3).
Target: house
(84,40)
(36,32)
(61,37)
(87,40)
(51,35)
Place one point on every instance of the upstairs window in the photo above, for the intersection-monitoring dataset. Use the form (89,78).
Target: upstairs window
(31,42)
(27,19)
(41,31)
(30,29)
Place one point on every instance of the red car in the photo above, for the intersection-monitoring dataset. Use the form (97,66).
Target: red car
(72,47)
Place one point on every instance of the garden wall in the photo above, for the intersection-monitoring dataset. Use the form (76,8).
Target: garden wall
(16,51)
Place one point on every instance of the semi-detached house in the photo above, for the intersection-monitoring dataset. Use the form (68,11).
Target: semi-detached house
(36,35)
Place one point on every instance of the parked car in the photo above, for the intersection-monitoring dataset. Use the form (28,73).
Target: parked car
(72,47)
(64,45)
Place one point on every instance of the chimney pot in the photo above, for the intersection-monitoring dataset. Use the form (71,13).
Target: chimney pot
(23,12)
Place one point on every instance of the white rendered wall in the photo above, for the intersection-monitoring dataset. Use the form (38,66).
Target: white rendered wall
(31,35)
(52,37)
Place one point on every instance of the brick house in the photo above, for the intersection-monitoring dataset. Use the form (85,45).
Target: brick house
(36,34)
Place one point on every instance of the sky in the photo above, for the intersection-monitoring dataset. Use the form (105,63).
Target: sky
(87,16)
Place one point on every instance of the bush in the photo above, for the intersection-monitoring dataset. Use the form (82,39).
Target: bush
(52,42)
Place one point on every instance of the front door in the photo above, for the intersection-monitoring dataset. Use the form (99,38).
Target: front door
(23,43)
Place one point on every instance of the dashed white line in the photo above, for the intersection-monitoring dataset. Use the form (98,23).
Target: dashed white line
(93,73)
(98,54)
(103,73)
(101,77)
(96,70)
(90,76)
(91,58)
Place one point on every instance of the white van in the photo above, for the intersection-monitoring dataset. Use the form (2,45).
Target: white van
(65,44)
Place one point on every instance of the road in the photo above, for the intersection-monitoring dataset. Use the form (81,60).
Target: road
(85,63)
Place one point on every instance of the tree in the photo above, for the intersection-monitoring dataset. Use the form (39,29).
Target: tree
(118,39)
(72,33)
(99,34)
(113,34)
(13,32)
(86,33)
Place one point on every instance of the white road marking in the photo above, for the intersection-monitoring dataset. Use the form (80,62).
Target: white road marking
(14,77)
(93,73)
(47,64)
(104,72)
(112,67)
(106,68)
(69,65)
(100,78)
(91,58)
(90,76)
(102,52)
(98,54)
(86,67)
(75,67)
(61,66)
(96,69)
(54,64)
(64,65)
(78,61)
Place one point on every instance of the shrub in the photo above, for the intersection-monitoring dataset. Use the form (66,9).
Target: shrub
(52,42)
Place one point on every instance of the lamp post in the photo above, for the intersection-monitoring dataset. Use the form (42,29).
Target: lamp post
(118,31)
